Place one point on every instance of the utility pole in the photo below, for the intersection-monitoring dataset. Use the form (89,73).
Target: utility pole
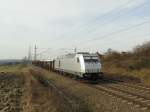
(29,54)
(75,50)
(35,53)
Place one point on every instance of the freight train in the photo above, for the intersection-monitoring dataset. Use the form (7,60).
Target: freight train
(82,64)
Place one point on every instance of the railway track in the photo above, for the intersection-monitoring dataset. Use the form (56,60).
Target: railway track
(137,86)
(133,88)
(126,94)
(126,97)
(137,95)
(132,85)
(133,94)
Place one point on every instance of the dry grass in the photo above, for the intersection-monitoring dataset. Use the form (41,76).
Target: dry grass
(141,75)
(134,64)
(89,99)
(37,98)
(67,102)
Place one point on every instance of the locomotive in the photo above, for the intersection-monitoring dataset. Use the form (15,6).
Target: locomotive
(82,64)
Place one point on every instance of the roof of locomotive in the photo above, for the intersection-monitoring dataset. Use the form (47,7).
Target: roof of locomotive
(72,55)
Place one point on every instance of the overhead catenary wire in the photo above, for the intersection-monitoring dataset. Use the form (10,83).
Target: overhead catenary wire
(116,18)
(108,35)
(118,9)
(54,51)
(110,42)
(118,31)
(81,43)
(112,33)
(119,14)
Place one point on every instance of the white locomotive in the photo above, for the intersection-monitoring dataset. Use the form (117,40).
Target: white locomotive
(84,65)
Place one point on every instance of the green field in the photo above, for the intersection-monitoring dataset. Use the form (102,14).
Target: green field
(11,68)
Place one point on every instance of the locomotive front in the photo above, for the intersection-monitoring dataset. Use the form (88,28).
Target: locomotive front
(92,66)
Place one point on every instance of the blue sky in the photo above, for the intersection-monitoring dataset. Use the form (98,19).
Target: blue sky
(64,24)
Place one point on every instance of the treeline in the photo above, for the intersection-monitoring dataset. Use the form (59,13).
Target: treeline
(136,59)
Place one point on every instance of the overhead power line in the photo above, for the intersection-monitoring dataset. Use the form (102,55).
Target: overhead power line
(116,32)
(118,9)
(110,42)
(114,19)
(119,15)
(85,42)
(47,50)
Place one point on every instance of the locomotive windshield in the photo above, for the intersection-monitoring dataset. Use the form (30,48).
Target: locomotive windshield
(91,59)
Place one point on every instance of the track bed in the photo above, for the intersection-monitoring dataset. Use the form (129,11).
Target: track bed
(106,96)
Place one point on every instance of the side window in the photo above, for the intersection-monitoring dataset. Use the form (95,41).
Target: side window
(78,61)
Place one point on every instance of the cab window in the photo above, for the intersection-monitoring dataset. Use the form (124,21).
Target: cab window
(91,59)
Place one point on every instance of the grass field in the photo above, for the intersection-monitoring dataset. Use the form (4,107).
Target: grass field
(11,68)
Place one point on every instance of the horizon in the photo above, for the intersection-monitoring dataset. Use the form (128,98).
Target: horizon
(132,50)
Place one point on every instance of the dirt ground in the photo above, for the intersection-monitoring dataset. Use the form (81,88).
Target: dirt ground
(11,92)
(38,97)
(21,92)
(25,92)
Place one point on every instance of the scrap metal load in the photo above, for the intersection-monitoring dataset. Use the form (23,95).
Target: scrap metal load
(84,65)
